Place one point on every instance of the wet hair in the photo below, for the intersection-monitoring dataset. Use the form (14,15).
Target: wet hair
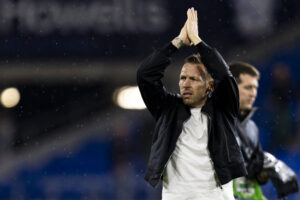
(196,59)
(238,67)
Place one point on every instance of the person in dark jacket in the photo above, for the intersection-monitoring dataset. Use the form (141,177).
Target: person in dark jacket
(260,165)
(194,149)
(247,77)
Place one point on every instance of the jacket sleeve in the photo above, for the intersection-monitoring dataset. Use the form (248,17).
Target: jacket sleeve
(255,164)
(225,88)
(149,78)
(255,154)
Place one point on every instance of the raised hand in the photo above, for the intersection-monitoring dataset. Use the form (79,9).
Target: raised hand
(183,36)
(192,26)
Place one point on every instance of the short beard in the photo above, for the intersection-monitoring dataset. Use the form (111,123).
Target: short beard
(200,103)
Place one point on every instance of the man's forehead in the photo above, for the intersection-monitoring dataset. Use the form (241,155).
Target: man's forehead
(248,79)
(192,67)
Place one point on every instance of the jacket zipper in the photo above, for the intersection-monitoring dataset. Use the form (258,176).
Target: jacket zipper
(212,163)
(216,175)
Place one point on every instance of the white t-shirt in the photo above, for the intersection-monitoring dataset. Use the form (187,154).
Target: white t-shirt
(189,173)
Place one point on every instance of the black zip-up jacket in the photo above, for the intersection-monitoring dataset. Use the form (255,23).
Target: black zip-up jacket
(170,113)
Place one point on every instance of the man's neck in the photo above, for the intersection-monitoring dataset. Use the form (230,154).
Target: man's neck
(243,114)
(200,104)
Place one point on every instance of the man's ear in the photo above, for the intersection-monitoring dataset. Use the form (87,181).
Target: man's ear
(211,85)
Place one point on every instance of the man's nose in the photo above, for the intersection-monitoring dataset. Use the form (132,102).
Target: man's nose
(186,83)
(253,93)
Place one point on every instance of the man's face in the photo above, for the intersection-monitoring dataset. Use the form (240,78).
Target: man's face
(247,91)
(193,87)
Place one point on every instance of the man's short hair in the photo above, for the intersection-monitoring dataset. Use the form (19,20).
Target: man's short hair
(196,59)
(238,67)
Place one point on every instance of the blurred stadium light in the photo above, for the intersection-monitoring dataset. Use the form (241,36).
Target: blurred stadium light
(129,97)
(10,97)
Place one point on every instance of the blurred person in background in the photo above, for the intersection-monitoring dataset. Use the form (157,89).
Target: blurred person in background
(260,165)
(194,149)
(280,102)
(247,77)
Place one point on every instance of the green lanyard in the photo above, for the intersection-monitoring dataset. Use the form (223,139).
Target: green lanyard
(247,189)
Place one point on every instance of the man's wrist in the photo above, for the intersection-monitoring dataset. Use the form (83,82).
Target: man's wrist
(177,42)
(196,40)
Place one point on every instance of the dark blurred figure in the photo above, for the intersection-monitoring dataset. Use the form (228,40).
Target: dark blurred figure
(129,158)
(294,145)
(123,169)
(7,133)
(280,102)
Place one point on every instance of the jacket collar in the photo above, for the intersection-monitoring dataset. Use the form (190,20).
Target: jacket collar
(183,112)
(208,108)
(249,115)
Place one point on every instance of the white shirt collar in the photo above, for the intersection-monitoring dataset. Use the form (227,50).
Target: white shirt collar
(196,113)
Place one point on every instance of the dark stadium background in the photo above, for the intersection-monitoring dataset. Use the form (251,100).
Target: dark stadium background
(67,139)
